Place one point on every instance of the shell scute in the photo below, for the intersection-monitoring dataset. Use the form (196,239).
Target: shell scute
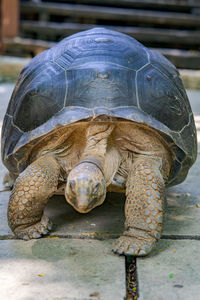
(160,98)
(41,99)
(100,85)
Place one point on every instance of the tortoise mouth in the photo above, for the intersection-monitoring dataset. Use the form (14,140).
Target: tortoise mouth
(86,206)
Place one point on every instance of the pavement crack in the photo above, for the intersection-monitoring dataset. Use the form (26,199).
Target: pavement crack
(131,278)
(100,236)
(93,236)
(7,237)
(180,237)
(89,235)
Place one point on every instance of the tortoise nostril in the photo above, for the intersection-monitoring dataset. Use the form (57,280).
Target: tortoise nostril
(83,206)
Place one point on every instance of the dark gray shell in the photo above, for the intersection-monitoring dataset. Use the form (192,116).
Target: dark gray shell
(99,72)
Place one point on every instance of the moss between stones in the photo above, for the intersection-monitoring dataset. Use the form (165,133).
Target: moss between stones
(191,79)
(9,72)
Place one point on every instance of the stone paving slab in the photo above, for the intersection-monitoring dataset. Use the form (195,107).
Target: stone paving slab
(183,211)
(105,221)
(183,200)
(171,271)
(5,93)
(194,98)
(50,269)
(4,229)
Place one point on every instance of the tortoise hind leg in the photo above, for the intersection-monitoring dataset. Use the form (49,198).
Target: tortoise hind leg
(29,196)
(144,208)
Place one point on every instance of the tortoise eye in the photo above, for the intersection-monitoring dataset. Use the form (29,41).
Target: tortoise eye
(72,186)
(96,188)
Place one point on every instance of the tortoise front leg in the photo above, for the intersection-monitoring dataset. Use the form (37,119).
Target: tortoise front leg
(29,196)
(143,209)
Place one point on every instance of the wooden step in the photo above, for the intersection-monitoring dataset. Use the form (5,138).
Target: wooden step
(182,59)
(112,14)
(23,47)
(176,5)
(145,35)
(135,3)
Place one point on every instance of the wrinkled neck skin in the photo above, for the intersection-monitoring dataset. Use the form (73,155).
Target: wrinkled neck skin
(86,186)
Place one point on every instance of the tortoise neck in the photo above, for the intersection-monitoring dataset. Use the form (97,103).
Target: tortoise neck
(92,160)
(96,144)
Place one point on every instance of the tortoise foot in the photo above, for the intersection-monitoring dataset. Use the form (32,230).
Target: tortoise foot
(128,245)
(34,231)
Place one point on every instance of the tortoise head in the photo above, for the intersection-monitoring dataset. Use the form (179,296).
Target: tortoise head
(85,188)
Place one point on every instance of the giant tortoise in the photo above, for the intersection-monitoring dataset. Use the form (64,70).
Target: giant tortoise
(98,112)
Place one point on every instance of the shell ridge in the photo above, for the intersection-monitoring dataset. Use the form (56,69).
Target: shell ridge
(14,125)
(190,115)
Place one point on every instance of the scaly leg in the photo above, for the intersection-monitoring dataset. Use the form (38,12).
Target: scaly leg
(29,196)
(143,209)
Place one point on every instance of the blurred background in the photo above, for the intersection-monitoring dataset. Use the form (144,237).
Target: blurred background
(171,27)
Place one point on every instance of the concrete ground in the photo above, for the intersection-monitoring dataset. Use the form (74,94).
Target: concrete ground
(76,262)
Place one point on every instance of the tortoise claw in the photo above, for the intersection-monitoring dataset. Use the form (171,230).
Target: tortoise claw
(128,245)
(34,231)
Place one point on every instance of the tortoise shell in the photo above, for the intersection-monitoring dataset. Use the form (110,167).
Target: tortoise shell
(92,73)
